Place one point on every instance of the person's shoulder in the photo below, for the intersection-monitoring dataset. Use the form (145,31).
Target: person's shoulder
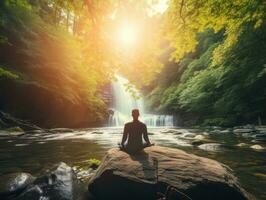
(142,124)
(128,123)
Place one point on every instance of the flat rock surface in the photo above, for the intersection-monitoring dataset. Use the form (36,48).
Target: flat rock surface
(141,176)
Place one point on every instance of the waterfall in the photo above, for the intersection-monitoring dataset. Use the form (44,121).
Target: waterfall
(124,102)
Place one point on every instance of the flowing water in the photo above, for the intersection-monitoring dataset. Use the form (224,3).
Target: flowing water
(124,102)
(35,152)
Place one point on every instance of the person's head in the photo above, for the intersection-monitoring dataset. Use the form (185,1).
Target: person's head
(135,114)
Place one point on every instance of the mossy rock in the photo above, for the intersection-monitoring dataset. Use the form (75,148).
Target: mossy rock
(15,129)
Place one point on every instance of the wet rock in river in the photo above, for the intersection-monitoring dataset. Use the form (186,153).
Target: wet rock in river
(215,131)
(189,135)
(241,131)
(194,130)
(197,142)
(199,137)
(59,183)
(247,135)
(174,131)
(212,147)
(261,129)
(129,177)
(10,134)
(260,137)
(247,126)
(205,133)
(215,127)
(257,147)
(21,145)
(225,131)
(242,145)
(14,183)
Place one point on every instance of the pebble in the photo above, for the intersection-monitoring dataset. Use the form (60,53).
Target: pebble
(257,147)
(242,145)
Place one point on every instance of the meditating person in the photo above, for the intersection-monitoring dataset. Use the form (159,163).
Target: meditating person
(133,133)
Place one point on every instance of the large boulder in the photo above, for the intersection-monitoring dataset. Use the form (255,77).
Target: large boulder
(144,175)
(59,183)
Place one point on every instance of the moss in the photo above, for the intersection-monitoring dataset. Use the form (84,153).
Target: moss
(261,175)
(94,163)
(15,129)
(7,74)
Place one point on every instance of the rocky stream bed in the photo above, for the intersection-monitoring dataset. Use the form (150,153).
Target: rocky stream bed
(34,159)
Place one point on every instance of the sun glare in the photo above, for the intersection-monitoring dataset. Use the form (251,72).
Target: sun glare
(127,34)
(159,7)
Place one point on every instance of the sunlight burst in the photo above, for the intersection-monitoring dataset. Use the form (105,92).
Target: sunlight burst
(127,34)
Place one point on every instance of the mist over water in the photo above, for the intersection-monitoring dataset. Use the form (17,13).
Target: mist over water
(124,102)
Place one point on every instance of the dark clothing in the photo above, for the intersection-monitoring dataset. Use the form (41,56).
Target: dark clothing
(132,137)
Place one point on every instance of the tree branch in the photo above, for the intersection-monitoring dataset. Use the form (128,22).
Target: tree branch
(181,10)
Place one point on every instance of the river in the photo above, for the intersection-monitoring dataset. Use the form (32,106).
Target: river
(35,152)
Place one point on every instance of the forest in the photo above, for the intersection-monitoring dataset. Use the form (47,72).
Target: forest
(132,99)
(202,61)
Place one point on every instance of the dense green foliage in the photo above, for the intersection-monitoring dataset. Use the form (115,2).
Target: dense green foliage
(49,59)
(223,81)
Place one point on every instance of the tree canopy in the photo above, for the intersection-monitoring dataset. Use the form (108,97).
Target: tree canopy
(199,57)
(218,54)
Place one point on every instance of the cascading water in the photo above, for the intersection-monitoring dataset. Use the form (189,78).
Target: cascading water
(124,102)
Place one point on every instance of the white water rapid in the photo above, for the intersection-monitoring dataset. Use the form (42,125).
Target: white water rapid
(124,102)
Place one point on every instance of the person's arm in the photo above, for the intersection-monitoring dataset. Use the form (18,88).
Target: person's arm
(125,133)
(145,135)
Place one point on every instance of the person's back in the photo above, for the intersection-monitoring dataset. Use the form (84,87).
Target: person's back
(133,134)
(135,131)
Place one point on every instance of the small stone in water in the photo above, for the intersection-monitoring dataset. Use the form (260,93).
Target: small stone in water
(239,131)
(199,137)
(242,145)
(257,147)
(21,145)
(211,147)
(205,133)
(189,135)
(225,131)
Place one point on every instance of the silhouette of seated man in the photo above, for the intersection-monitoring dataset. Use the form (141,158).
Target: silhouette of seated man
(133,133)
